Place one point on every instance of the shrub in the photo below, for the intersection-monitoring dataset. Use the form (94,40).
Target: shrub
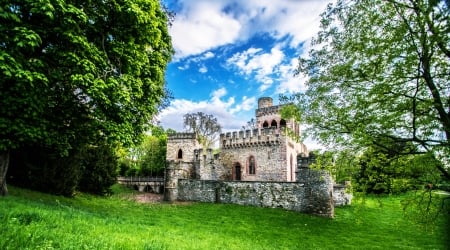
(99,169)
(40,168)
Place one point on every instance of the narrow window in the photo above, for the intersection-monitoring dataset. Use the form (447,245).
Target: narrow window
(180,154)
(292,167)
(251,165)
(237,172)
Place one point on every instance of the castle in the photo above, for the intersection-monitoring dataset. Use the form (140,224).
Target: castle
(251,165)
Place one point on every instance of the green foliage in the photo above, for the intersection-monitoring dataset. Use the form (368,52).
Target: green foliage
(32,220)
(426,206)
(75,73)
(99,169)
(378,71)
(340,164)
(149,157)
(379,172)
(205,126)
(153,161)
(42,169)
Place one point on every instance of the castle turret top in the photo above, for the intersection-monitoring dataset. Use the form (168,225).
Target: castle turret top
(264,102)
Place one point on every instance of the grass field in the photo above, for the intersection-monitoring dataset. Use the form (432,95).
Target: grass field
(32,220)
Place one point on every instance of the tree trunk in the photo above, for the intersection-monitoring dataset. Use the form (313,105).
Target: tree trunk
(4,163)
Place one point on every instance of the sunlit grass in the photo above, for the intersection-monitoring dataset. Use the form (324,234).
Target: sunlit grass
(32,220)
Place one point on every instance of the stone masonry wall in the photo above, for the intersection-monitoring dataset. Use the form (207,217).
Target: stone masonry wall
(186,142)
(313,197)
(269,161)
(211,167)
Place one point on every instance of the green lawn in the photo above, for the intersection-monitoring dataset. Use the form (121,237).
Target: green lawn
(32,220)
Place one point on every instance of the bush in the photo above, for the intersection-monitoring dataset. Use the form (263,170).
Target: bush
(99,166)
(40,168)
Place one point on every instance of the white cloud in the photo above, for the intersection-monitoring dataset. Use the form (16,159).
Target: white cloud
(202,25)
(263,65)
(226,110)
(208,55)
(246,105)
(299,19)
(288,82)
(203,69)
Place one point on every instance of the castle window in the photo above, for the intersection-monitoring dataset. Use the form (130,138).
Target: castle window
(251,165)
(273,124)
(265,124)
(237,172)
(282,123)
(292,167)
(180,154)
(196,154)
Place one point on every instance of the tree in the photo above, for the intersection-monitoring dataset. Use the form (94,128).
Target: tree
(75,73)
(340,164)
(251,124)
(378,171)
(153,162)
(149,157)
(205,126)
(377,74)
(99,169)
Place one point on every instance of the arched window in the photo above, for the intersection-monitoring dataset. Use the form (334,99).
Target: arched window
(282,123)
(251,165)
(180,154)
(265,124)
(274,124)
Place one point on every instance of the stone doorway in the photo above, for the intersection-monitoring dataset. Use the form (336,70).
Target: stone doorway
(237,172)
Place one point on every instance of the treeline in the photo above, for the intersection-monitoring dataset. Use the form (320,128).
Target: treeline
(383,170)
(88,168)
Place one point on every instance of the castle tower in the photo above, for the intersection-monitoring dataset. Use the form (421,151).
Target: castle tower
(267,153)
(180,158)
(264,102)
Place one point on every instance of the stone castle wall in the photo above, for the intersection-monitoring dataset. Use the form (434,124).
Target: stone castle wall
(209,166)
(186,142)
(196,174)
(312,197)
(180,157)
(275,153)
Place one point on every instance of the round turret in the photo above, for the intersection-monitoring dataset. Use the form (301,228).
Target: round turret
(264,102)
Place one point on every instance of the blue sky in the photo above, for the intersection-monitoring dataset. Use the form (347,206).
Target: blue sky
(231,52)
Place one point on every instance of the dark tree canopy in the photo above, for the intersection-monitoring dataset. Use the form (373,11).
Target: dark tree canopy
(378,74)
(77,72)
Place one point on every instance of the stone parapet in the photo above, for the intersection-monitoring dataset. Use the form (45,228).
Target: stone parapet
(251,137)
(181,136)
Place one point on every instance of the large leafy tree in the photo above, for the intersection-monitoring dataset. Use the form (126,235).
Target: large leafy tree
(79,72)
(378,74)
(205,126)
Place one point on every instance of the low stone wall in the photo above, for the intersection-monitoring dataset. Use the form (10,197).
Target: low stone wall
(314,199)
(340,195)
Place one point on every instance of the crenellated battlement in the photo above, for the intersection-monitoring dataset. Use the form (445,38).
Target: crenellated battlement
(251,137)
(271,110)
(182,136)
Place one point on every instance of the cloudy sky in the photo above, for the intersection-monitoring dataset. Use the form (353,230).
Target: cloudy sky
(231,52)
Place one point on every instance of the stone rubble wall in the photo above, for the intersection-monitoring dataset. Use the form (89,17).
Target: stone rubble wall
(313,197)
(341,196)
